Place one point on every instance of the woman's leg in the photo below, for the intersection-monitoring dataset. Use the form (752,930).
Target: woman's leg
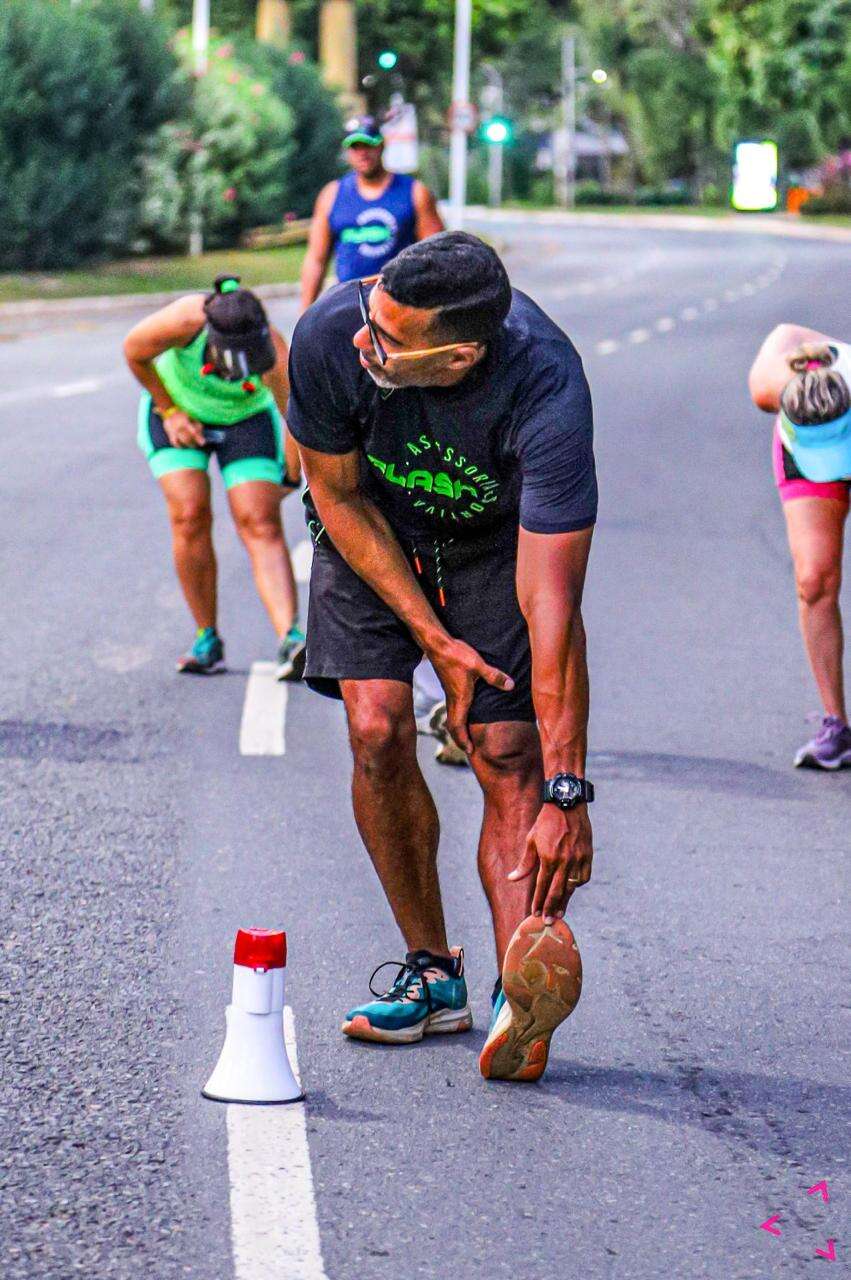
(256,509)
(187,494)
(816,528)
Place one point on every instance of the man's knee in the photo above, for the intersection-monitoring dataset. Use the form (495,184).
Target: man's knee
(508,754)
(381,737)
(817,585)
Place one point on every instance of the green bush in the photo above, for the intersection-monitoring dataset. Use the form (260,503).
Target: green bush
(588,193)
(227,163)
(79,88)
(836,199)
(672,196)
(317,127)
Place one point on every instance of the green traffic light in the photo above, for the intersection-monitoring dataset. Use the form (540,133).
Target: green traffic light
(387,59)
(497,130)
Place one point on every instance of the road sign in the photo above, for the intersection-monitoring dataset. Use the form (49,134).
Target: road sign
(401,141)
(463,115)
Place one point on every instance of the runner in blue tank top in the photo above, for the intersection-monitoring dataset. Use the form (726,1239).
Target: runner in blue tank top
(367,217)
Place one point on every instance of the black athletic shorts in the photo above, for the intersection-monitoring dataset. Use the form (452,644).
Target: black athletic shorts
(353,635)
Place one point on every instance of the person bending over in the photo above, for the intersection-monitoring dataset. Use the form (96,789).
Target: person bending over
(444,423)
(214,374)
(803,377)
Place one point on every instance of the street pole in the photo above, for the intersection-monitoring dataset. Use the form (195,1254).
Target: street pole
(460,101)
(492,98)
(200,47)
(564,150)
(200,35)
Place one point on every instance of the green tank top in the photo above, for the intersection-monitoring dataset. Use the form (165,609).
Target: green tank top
(207,397)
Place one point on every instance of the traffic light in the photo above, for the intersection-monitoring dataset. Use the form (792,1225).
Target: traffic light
(498,129)
(387,59)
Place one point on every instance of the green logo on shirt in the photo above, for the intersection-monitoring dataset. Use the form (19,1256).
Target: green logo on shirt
(461,491)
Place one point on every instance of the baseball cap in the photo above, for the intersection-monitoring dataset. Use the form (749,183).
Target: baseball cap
(365,129)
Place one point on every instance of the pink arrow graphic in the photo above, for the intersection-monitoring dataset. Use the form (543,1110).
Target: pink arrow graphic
(822,1187)
(829,1253)
(769,1226)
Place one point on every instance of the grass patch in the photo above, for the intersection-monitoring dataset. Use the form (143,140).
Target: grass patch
(157,275)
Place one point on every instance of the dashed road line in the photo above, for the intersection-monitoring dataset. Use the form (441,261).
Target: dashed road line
(261,732)
(665,324)
(274,1226)
(639,335)
(84,387)
(689,313)
(607,347)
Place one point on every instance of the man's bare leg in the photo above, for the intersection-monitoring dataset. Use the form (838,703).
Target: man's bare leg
(393,807)
(507,763)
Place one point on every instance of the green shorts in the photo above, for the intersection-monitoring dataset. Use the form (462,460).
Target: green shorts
(249,450)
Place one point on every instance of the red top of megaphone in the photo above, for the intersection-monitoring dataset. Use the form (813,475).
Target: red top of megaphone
(261,948)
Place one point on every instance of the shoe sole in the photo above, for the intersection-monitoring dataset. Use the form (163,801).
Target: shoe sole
(542,981)
(293,669)
(809,761)
(190,669)
(445,1022)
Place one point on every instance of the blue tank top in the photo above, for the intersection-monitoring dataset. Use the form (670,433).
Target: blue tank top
(368,233)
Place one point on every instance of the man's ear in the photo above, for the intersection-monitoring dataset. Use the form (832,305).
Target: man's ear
(466,356)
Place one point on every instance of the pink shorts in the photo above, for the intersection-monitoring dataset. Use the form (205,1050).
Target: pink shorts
(792,484)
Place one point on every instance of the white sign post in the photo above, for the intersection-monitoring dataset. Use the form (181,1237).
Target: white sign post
(401,140)
(460,102)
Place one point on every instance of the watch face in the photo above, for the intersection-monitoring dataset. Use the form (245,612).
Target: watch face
(566,789)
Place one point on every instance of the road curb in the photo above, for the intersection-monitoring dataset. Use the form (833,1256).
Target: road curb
(120,301)
(733,223)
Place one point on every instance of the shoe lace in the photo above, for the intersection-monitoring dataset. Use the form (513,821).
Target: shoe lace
(409,977)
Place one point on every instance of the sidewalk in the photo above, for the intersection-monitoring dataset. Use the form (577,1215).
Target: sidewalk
(740,223)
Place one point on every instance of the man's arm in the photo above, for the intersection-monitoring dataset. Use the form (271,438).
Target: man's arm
(550,579)
(770,371)
(278,382)
(429,221)
(319,245)
(368,544)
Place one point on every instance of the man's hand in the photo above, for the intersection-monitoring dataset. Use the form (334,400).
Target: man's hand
(560,847)
(183,432)
(458,667)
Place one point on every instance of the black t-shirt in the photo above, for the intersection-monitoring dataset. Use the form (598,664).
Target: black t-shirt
(512,439)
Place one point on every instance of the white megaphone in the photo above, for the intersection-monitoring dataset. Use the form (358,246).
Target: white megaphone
(253,1065)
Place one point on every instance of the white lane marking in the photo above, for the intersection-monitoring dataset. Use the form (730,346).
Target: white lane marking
(748,289)
(730,295)
(274,1228)
(665,324)
(689,313)
(639,335)
(82,388)
(302,558)
(606,347)
(261,732)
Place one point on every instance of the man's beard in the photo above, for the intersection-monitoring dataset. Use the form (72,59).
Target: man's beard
(381,380)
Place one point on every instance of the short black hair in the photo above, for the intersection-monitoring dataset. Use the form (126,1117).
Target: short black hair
(460,276)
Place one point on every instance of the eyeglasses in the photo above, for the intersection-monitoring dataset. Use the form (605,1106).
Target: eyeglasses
(380,350)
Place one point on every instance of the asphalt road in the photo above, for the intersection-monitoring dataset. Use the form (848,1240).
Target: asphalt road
(702,1084)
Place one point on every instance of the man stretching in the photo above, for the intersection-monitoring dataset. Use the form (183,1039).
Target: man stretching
(445,427)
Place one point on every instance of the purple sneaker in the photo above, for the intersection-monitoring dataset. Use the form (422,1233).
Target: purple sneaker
(829,749)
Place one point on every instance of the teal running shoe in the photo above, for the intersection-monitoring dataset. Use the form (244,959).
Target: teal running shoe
(291,655)
(206,656)
(428,997)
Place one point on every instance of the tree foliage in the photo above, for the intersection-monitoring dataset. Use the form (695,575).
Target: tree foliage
(75,105)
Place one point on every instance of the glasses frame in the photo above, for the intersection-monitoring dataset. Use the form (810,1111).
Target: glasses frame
(378,346)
